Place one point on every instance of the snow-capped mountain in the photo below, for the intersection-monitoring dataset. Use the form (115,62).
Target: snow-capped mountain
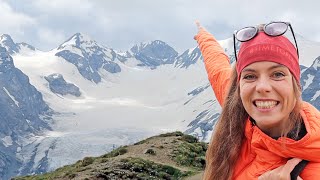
(154,53)
(88,56)
(23,113)
(12,48)
(189,57)
(130,100)
(206,112)
(310,82)
(103,98)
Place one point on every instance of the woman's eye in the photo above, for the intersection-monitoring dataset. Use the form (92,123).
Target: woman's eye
(249,77)
(278,75)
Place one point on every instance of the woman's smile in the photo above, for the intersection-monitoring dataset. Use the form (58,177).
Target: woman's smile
(265,104)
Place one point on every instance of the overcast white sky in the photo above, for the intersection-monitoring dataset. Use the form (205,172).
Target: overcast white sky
(120,24)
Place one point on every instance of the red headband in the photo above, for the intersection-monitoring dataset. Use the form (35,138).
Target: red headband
(266,48)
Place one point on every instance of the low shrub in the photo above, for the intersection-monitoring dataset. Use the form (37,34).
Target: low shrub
(150,151)
(189,138)
(116,152)
(87,161)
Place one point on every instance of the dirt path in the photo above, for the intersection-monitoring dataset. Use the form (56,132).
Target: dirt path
(195,177)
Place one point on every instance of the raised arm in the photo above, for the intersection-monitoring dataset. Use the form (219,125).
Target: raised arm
(216,62)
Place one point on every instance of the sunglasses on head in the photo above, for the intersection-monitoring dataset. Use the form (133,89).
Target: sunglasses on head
(271,29)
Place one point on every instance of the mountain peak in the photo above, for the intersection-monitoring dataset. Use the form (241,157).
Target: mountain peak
(158,42)
(13,48)
(5,37)
(82,37)
(77,40)
(7,42)
(153,46)
(143,45)
(154,53)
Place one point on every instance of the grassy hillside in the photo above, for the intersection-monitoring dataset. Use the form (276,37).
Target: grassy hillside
(167,156)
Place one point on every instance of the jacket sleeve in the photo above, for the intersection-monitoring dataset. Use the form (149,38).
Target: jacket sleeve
(216,62)
(311,171)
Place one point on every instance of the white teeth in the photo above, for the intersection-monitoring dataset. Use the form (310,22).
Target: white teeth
(265,104)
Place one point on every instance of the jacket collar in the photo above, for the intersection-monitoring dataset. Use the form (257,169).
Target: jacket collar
(307,148)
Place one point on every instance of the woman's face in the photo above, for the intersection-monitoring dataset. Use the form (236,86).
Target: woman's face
(266,91)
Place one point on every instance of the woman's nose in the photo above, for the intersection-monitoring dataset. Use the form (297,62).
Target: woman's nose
(263,85)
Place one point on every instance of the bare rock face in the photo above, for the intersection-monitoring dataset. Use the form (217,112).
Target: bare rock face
(58,85)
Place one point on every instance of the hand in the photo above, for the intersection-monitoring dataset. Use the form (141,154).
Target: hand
(282,172)
(199,27)
(198,24)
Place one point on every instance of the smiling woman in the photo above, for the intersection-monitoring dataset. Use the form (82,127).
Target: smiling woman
(268,95)
(265,130)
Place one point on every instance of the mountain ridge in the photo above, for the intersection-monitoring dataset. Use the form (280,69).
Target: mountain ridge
(166,156)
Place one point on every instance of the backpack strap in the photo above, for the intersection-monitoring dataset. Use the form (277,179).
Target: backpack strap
(298,169)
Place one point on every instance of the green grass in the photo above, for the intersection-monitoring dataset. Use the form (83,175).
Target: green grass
(190,154)
(63,172)
(150,170)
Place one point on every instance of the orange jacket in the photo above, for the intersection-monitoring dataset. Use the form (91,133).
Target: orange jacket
(261,153)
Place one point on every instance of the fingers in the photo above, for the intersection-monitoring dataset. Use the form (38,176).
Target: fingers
(198,23)
(199,27)
(289,166)
(281,172)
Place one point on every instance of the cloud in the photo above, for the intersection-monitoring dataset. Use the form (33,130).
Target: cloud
(13,22)
(63,7)
(173,20)
(121,23)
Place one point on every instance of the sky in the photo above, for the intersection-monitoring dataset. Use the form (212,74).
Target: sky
(120,24)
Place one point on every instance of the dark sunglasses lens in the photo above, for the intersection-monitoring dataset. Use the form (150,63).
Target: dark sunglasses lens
(276,28)
(246,34)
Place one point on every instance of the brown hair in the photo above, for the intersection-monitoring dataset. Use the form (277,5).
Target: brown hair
(228,134)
